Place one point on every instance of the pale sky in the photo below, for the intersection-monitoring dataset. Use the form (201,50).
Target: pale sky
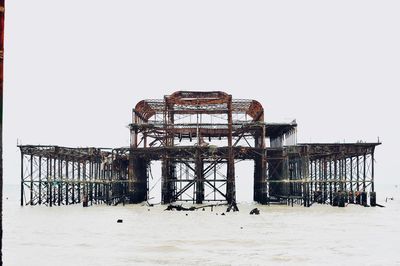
(75,69)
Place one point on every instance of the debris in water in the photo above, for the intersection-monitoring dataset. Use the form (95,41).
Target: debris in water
(179,208)
(255,211)
(389,199)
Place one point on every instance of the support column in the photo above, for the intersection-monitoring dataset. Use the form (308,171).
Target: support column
(364,171)
(330,182)
(79,182)
(230,175)
(59,180)
(50,183)
(31,178)
(47,180)
(260,169)
(351,194)
(66,183)
(40,180)
(22,179)
(73,182)
(372,194)
(137,188)
(167,190)
(325,180)
(199,178)
(306,179)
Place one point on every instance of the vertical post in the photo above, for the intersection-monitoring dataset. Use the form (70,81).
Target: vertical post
(264,195)
(320,175)
(372,194)
(321,178)
(94,178)
(335,175)
(1,126)
(351,193)
(107,186)
(230,186)
(138,179)
(345,173)
(215,181)
(364,171)
(165,190)
(40,180)
(22,178)
(54,179)
(351,173)
(84,186)
(101,181)
(148,180)
(85,196)
(310,183)
(305,181)
(306,177)
(97,183)
(316,173)
(325,166)
(290,165)
(79,182)
(49,182)
(134,132)
(66,182)
(330,182)
(91,183)
(199,178)
(73,182)
(31,178)
(358,173)
(372,171)
(60,181)
(180,177)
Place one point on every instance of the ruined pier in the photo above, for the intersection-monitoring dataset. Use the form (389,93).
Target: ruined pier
(199,137)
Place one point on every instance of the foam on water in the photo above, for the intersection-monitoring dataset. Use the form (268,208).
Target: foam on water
(72,235)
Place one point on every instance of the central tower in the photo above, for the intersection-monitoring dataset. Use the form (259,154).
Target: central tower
(199,136)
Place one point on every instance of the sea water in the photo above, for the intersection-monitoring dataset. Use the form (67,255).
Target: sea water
(319,235)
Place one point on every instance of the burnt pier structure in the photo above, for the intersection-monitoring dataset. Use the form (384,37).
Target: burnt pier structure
(199,137)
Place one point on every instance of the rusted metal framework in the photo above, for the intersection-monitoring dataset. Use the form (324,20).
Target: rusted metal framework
(323,173)
(198,117)
(199,137)
(54,175)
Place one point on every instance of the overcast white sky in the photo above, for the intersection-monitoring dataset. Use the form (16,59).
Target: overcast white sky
(75,69)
